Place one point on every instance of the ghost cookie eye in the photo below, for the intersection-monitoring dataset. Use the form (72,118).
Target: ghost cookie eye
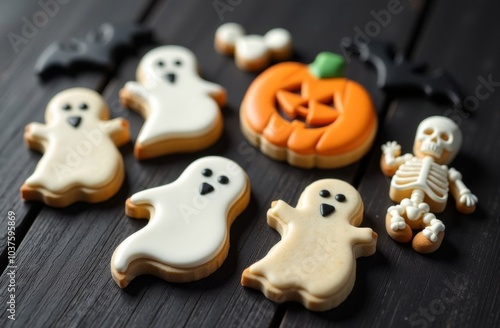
(324,193)
(160,63)
(206,172)
(223,179)
(178,62)
(66,106)
(340,198)
(84,106)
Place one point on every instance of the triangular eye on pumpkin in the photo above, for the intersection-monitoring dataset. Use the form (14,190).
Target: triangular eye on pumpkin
(308,100)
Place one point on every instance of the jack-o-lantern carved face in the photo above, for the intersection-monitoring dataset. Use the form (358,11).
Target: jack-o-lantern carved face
(308,115)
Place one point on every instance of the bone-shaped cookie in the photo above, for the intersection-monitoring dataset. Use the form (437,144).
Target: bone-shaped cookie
(253,52)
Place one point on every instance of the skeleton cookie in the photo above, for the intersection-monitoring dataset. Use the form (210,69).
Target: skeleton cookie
(80,161)
(315,261)
(253,52)
(187,237)
(421,183)
(181,110)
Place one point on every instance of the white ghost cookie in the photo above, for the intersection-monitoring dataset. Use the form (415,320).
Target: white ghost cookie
(187,237)
(315,261)
(253,52)
(80,161)
(181,110)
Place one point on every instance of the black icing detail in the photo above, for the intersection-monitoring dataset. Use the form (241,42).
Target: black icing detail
(84,106)
(66,107)
(340,197)
(206,188)
(326,209)
(397,75)
(223,179)
(206,172)
(324,193)
(74,121)
(178,63)
(100,49)
(171,77)
(160,63)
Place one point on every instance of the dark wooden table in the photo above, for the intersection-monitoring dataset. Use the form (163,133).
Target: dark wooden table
(62,255)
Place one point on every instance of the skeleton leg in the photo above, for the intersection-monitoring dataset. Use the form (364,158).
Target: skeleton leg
(429,239)
(396,225)
(415,207)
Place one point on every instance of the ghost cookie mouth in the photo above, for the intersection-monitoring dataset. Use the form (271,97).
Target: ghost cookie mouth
(206,188)
(171,77)
(74,121)
(326,209)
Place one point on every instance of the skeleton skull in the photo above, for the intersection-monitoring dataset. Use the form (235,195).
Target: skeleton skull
(438,137)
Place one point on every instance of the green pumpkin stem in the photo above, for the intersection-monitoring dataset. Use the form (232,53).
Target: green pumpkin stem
(327,65)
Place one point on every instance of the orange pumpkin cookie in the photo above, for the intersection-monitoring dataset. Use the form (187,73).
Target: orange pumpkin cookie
(309,115)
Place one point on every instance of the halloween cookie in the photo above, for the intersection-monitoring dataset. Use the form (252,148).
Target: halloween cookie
(421,182)
(315,261)
(253,52)
(309,115)
(80,161)
(398,76)
(100,49)
(181,110)
(187,237)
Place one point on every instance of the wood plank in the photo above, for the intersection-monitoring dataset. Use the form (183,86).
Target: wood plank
(24,97)
(456,286)
(64,262)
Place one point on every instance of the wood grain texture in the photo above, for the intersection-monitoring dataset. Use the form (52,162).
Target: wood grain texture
(24,97)
(456,286)
(63,261)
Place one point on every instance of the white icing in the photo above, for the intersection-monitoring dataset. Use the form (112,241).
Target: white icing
(228,33)
(437,133)
(424,177)
(423,174)
(316,254)
(186,229)
(84,156)
(251,48)
(182,109)
(278,39)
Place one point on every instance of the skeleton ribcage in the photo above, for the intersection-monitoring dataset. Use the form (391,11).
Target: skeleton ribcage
(423,174)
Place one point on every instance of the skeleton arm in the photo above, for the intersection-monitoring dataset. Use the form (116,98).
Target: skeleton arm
(465,199)
(391,160)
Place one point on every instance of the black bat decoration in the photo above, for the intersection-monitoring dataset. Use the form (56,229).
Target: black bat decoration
(396,75)
(99,50)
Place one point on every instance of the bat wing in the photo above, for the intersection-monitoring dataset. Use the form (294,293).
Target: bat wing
(396,75)
(99,50)
(437,85)
(68,56)
(379,55)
